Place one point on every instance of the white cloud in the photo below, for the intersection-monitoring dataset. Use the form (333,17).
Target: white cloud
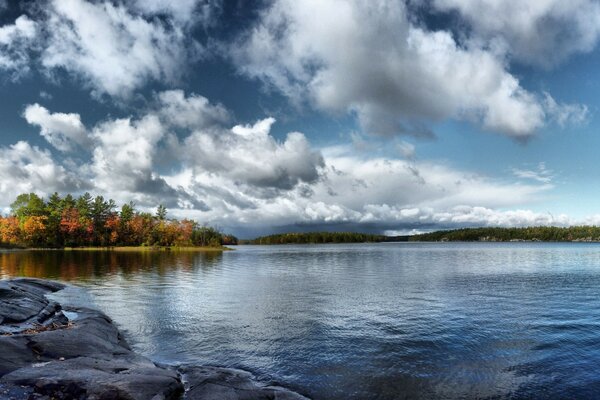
(249,155)
(541,32)
(243,178)
(25,168)
(63,131)
(123,157)
(111,49)
(367,58)
(565,114)
(16,41)
(194,112)
(540,174)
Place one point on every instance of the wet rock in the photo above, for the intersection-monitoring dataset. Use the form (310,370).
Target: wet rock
(44,355)
(94,378)
(213,383)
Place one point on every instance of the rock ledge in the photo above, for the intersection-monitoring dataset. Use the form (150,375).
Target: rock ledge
(47,352)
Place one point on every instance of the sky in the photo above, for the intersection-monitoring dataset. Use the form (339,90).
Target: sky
(260,117)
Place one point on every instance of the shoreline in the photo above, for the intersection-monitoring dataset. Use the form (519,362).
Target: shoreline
(48,351)
(126,248)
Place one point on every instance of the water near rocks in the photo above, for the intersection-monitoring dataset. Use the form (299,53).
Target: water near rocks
(380,321)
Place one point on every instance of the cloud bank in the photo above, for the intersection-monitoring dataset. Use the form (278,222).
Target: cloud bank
(183,152)
(371,60)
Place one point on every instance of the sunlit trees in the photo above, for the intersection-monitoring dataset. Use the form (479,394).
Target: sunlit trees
(34,230)
(10,232)
(95,221)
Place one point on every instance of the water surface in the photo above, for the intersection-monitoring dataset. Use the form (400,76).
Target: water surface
(377,321)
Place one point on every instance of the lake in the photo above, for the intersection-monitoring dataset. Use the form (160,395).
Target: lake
(363,321)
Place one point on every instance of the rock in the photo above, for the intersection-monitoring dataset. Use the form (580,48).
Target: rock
(44,355)
(132,378)
(23,299)
(213,383)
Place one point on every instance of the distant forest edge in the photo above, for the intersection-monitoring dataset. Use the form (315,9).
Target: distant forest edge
(95,222)
(535,233)
(494,234)
(323,237)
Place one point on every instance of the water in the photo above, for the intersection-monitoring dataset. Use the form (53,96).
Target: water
(380,321)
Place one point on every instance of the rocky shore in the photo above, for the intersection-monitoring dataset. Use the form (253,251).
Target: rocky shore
(51,352)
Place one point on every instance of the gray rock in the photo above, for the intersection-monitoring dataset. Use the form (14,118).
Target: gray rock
(214,383)
(44,355)
(132,378)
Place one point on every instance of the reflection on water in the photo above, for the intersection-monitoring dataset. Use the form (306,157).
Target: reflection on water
(85,265)
(376,321)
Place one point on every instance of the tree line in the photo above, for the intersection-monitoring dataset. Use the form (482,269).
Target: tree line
(496,234)
(316,237)
(94,221)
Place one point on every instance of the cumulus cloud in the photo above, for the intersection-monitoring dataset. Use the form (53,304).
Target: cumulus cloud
(113,50)
(367,58)
(541,33)
(25,168)
(193,112)
(127,153)
(16,41)
(250,156)
(63,131)
(244,179)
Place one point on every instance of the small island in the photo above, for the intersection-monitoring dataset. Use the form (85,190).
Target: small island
(87,222)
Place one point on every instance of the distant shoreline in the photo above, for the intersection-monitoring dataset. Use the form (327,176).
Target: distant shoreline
(573,234)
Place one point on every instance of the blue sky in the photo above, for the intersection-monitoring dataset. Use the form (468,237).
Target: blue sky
(268,116)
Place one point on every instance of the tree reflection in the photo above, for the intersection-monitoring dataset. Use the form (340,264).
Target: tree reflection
(84,265)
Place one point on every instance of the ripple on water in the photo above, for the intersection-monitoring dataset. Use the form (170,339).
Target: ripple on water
(381,321)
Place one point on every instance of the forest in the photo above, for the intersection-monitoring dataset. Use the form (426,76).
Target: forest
(316,237)
(535,233)
(87,221)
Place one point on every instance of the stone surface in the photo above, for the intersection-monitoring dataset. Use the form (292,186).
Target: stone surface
(213,383)
(45,355)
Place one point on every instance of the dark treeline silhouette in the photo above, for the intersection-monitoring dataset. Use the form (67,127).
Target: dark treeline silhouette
(534,233)
(316,237)
(88,221)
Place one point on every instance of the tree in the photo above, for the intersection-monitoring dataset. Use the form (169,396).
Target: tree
(27,205)
(10,232)
(34,230)
(161,212)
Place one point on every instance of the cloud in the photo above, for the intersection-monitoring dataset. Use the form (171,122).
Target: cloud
(16,41)
(368,59)
(193,112)
(140,158)
(243,179)
(63,131)
(25,168)
(541,174)
(182,11)
(250,156)
(111,49)
(541,33)
(565,114)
